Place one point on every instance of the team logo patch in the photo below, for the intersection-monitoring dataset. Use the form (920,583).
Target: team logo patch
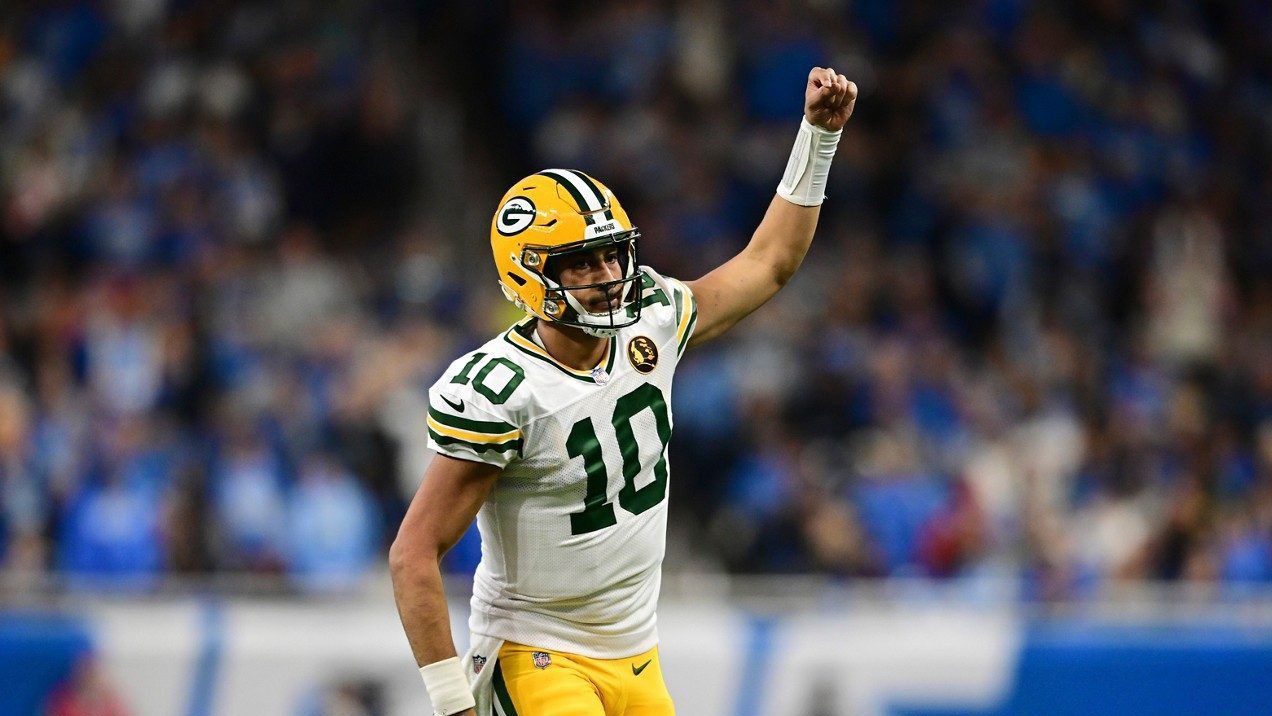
(478,662)
(515,216)
(643,354)
(542,659)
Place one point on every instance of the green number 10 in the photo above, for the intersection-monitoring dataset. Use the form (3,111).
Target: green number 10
(597,513)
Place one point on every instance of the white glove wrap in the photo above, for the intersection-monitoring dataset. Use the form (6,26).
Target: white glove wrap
(447,687)
(804,182)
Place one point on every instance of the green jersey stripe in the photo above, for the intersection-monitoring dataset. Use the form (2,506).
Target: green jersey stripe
(446,440)
(609,362)
(490,427)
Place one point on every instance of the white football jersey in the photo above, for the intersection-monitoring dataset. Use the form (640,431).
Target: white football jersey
(574,531)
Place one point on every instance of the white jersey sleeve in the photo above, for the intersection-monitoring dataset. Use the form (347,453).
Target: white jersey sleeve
(668,304)
(469,415)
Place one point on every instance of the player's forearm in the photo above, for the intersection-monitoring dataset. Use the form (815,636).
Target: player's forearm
(444,506)
(781,241)
(421,603)
(783,237)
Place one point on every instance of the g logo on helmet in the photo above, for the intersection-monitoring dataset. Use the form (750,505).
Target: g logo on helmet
(515,216)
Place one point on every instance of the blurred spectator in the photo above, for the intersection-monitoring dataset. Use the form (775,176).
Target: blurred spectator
(112,531)
(333,529)
(250,504)
(86,692)
(1032,337)
(24,500)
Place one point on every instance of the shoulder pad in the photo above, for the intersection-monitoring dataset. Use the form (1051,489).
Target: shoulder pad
(486,378)
(668,304)
(472,413)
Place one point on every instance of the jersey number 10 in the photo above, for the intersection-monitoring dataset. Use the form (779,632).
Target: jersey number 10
(597,513)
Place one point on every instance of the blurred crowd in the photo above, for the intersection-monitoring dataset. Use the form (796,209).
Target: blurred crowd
(1033,338)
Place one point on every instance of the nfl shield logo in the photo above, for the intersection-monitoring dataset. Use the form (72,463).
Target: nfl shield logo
(542,659)
(478,663)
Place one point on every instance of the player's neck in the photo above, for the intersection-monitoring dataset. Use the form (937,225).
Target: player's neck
(571,346)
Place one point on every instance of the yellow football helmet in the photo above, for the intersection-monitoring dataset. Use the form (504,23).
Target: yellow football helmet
(556,212)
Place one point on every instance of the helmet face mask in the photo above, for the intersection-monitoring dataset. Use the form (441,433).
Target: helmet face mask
(547,217)
(561,300)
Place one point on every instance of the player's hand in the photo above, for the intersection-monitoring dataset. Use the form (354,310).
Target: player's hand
(828,99)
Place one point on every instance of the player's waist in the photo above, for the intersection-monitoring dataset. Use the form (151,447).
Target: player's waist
(616,595)
(626,634)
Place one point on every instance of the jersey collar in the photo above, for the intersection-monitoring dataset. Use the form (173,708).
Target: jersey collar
(516,335)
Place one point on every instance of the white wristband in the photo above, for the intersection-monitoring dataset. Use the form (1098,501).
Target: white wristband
(804,182)
(447,687)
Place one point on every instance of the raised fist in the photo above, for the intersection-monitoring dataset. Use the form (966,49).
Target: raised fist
(828,99)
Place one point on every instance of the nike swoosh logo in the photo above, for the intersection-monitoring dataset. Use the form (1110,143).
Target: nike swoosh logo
(637,669)
(457,406)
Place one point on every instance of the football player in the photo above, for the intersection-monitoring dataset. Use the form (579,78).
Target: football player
(553,435)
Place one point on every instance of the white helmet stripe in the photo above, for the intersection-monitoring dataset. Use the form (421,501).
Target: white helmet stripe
(591,197)
(609,214)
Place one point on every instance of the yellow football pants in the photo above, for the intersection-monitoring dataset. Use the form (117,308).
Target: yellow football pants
(536,682)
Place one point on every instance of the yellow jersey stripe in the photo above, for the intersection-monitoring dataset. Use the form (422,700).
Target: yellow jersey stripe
(686,310)
(470,436)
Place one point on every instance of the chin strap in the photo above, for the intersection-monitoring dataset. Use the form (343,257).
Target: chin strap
(600,332)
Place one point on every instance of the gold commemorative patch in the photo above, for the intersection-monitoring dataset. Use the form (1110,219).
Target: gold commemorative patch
(643,354)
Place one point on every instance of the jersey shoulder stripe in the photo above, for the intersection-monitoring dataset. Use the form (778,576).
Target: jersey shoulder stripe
(446,440)
(650,293)
(491,441)
(673,305)
(484,427)
(686,313)
(481,434)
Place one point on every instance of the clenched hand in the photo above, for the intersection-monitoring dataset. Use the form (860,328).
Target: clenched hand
(828,99)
